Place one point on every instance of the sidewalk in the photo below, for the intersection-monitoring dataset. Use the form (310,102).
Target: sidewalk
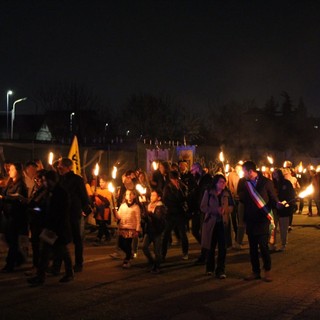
(306,221)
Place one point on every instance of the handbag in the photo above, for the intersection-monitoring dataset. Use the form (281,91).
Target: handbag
(48,236)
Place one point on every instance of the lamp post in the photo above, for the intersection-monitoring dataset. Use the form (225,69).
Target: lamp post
(13,113)
(9,93)
(72,114)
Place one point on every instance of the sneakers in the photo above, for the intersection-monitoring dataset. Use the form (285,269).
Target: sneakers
(272,248)
(155,271)
(237,246)
(126,265)
(36,281)
(221,276)
(283,248)
(53,271)
(185,257)
(267,276)
(209,273)
(115,255)
(252,276)
(30,272)
(66,278)
(97,242)
(200,261)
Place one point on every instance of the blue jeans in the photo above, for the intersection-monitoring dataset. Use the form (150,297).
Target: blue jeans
(157,246)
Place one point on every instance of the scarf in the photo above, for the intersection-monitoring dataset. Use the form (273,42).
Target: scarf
(152,206)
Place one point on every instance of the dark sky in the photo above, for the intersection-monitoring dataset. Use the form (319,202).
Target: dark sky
(196,51)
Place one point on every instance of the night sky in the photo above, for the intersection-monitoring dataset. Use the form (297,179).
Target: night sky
(195,51)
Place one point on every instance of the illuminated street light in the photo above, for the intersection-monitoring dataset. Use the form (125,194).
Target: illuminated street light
(13,113)
(9,92)
(72,114)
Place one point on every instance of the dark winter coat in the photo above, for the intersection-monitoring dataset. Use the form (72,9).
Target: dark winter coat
(57,214)
(256,219)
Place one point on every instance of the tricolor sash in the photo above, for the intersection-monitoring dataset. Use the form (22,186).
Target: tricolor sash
(259,201)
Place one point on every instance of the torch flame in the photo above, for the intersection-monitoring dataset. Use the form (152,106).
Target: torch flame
(307,192)
(141,189)
(96,170)
(114,172)
(111,188)
(270,159)
(154,165)
(221,156)
(50,158)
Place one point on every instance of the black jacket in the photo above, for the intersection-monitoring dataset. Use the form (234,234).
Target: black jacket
(175,199)
(75,186)
(57,214)
(256,219)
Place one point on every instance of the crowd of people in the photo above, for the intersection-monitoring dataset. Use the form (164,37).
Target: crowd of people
(49,207)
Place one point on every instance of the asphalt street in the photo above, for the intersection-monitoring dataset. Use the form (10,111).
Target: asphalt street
(181,291)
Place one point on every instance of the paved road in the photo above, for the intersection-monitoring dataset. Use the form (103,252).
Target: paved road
(182,291)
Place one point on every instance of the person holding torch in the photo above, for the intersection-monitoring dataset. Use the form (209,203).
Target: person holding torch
(102,202)
(129,227)
(258,196)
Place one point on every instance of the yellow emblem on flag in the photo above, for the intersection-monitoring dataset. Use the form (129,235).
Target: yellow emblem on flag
(74,155)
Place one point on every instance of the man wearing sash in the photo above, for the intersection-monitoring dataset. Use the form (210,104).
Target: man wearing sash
(258,197)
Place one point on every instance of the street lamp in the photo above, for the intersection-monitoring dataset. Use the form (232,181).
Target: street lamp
(9,93)
(72,114)
(13,113)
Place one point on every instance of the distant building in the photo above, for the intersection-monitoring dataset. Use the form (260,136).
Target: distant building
(44,133)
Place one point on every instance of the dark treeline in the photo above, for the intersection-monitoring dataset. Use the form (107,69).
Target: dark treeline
(279,124)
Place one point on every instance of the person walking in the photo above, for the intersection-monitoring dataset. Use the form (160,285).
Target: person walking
(175,199)
(258,197)
(217,204)
(102,201)
(285,193)
(154,218)
(57,223)
(14,219)
(75,186)
(129,227)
